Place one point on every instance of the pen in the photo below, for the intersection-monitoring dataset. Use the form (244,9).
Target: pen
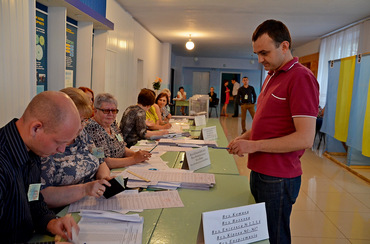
(58,237)
(139,176)
(221,148)
(153,148)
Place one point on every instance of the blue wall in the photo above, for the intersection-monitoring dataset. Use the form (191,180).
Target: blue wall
(215,79)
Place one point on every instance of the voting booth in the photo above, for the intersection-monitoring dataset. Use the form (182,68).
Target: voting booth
(199,105)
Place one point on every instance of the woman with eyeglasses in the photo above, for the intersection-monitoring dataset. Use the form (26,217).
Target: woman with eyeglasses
(77,172)
(106,135)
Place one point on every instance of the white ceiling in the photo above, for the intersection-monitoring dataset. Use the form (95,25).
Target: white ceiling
(223,28)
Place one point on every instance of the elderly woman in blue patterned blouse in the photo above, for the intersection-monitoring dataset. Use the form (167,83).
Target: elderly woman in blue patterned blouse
(105,133)
(77,172)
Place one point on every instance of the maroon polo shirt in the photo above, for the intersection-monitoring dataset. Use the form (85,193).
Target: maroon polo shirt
(292,91)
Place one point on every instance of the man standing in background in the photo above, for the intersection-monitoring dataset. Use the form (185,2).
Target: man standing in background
(236,86)
(246,97)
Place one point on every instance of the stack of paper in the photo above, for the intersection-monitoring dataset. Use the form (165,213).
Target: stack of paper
(165,178)
(109,227)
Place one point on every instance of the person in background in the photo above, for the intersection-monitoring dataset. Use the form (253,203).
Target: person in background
(23,211)
(227,97)
(283,127)
(246,97)
(132,125)
(106,135)
(181,95)
(153,118)
(162,101)
(168,92)
(75,173)
(236,86)
(90,94)
(212,97)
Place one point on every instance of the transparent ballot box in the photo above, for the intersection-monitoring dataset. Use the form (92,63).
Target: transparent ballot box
(199,105)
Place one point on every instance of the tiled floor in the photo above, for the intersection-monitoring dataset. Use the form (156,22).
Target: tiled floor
(333,205)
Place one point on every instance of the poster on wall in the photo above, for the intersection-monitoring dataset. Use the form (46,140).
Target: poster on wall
(71,50)
(41,50)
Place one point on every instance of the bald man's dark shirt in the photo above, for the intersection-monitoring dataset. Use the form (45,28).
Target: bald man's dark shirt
(19,168)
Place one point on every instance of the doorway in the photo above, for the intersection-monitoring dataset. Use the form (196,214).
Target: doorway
(200,83)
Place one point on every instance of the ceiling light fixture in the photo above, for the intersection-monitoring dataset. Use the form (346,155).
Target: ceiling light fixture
(189,45)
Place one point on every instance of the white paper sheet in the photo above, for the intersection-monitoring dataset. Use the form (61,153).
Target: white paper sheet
(143,200)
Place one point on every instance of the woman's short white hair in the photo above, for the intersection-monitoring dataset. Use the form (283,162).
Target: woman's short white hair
(104,97)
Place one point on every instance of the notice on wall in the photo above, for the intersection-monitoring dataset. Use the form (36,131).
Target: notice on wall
(41,50)
(244,224)
(69,78)
(71,50)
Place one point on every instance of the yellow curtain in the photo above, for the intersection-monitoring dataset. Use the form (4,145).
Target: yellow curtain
(344,97)
(366,131)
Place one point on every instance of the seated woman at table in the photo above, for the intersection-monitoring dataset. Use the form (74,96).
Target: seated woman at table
(133,125)
(106,135)
(153,121)
(181,95)
(69,176)
(162,101)
(169,104)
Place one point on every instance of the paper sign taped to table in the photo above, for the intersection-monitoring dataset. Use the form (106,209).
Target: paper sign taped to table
(244,224)
(200,120)
(208,133)
(196,159)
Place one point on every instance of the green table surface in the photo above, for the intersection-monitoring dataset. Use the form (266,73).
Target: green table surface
(221,161)
(181,103)
(181,225)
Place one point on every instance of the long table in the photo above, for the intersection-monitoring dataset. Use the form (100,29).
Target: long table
(181,225)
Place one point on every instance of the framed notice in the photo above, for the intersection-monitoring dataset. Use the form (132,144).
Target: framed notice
(41,48)
(71,51)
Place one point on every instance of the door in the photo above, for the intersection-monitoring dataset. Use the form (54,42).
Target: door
(200,83)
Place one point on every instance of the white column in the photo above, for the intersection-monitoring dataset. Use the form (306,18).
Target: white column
(84,54)
(98,67)
(56,47)
(166,64)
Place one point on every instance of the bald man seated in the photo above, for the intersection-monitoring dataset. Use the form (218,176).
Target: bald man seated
(50,121)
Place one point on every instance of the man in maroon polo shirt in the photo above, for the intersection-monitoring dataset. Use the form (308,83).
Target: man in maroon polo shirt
(283,127)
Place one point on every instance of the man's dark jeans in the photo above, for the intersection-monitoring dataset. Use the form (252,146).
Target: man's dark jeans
(279,195)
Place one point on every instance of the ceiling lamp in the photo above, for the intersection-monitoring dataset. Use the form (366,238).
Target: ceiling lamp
(189,45)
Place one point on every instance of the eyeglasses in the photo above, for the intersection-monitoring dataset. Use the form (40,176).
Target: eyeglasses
(106,111)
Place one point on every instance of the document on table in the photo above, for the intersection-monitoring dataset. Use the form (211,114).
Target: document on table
(100,230)
(172,176)
(142,200)
(154,162)
(168,179)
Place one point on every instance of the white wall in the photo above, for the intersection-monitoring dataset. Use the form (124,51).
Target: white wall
(127,43)
(18,57)
(308,48)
